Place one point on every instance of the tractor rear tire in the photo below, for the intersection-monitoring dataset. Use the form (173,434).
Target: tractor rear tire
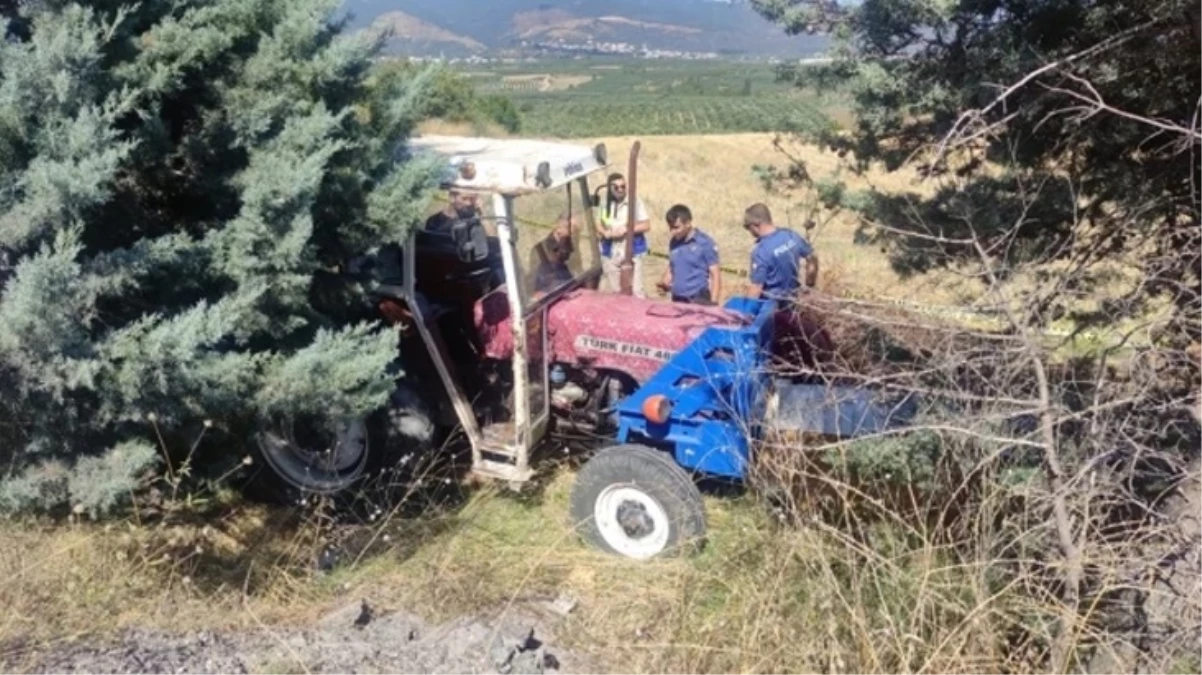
(636,502)
(320,462)
(290,470)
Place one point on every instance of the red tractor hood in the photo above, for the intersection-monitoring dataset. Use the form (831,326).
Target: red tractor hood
(605,330)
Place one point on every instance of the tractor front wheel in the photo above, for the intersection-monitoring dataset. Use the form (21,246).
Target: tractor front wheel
(636,502)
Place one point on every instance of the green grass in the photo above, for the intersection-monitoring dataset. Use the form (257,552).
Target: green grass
(613,98)
(568,117)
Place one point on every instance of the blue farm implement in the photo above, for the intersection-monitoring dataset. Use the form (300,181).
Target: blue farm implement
(700,416)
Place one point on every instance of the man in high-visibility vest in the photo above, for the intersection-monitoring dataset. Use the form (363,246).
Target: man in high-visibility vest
(611,228)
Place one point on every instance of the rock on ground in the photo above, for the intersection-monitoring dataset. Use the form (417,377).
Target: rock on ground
(351,640)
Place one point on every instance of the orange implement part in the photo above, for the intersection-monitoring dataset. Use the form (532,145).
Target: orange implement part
(656,408)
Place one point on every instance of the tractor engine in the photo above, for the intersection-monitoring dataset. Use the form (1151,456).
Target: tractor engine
(583,399)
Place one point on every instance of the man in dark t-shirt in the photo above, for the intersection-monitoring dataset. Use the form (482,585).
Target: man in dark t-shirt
(462,206)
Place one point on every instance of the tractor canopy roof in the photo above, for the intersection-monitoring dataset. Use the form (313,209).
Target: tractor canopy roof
(509,166)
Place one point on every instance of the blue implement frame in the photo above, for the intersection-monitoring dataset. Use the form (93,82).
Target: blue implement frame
(718,387)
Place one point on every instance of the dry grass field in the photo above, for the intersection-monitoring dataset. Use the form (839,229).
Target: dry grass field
(541,82)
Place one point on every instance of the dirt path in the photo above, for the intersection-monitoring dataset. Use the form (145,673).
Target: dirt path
(521,642)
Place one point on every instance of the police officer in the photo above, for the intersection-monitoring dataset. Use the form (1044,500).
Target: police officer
(612,230)
(693,275)
(776,257)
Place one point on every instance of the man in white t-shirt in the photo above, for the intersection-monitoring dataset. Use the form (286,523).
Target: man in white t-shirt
(611,228)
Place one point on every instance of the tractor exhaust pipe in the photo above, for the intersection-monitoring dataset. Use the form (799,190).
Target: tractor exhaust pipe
(626,270)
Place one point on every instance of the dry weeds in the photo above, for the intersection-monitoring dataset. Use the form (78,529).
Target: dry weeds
(767,594)
(761,597)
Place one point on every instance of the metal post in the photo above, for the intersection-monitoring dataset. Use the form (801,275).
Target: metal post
(626,275)
(438,354)
(503,208)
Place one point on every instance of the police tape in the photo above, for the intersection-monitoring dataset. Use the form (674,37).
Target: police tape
(939,311)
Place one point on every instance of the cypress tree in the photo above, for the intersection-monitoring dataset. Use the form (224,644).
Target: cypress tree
(174,177)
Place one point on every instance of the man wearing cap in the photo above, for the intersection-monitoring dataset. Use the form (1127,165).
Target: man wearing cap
(693,275)
(776,257)
(611,228)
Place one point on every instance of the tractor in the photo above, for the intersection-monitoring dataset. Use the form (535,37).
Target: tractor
(511,346)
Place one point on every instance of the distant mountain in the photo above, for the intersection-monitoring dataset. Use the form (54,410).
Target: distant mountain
(472,26)
(419,36)
(560,25)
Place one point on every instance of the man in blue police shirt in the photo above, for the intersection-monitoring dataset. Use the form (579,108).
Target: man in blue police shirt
(776,258)
(693,274)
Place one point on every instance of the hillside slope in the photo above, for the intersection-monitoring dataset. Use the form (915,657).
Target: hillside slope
(557,24)
(691,25)
(409,33)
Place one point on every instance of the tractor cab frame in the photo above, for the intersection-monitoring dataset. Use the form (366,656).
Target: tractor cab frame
(508,173)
